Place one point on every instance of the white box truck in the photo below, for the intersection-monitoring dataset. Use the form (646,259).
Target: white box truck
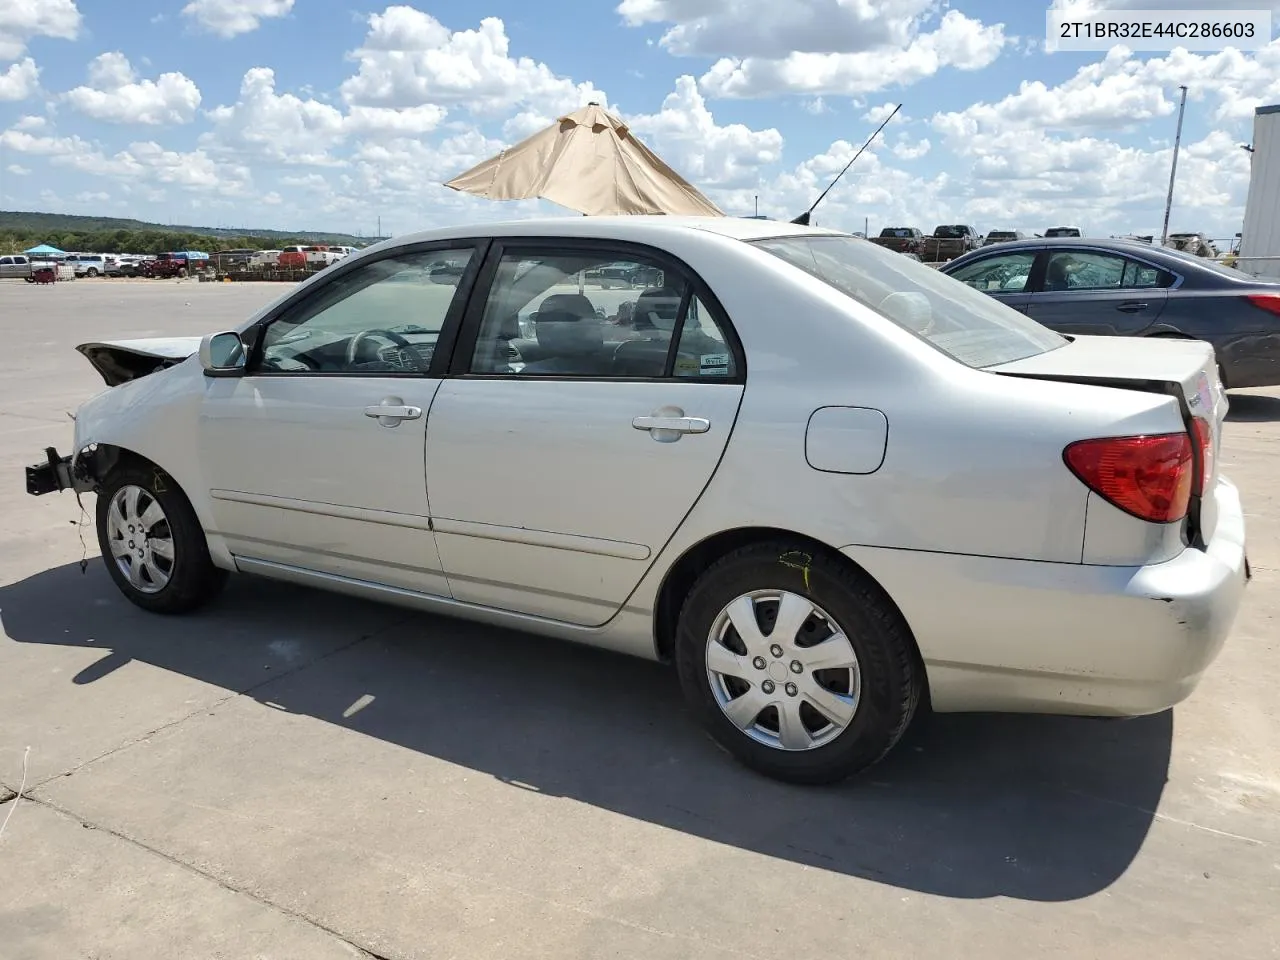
(1260,239)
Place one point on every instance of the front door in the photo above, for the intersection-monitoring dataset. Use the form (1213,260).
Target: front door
(1086,292)
(582,421)
(314,457)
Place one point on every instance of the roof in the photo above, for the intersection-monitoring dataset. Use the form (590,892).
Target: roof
(1263,111)
(651,228)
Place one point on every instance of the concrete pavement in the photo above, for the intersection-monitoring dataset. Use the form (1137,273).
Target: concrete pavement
(294,774)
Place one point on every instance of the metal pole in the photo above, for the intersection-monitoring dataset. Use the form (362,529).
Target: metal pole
(757,204)
(1173,173)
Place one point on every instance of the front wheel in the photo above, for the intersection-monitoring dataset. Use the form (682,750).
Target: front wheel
(796,663)
(152,542)
(91,272)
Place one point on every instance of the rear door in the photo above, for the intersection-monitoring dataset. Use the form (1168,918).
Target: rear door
(1007,276)
(578,427)
(1098,292)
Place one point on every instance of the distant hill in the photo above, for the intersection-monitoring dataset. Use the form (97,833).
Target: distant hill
(62,223)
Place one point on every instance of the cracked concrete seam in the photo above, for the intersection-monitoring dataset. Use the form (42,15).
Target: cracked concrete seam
(364,952)
(210,707)
(6,794)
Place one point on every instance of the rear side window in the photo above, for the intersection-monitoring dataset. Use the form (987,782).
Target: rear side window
(967,325)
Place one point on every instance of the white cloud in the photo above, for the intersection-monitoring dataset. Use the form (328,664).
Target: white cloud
(146,162)
(18,171)
(387,121)
(20,80)
(771,30)
(686,135)
(281,128)
(904,149)
(116,95)
(409,58)
(286,129)
(31,122)
(229,18)
(20,20)
(1119,91)
(959,42)
(882,113)
(817,106)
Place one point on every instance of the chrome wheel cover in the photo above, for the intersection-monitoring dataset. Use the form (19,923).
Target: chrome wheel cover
(140,539)
(782,670)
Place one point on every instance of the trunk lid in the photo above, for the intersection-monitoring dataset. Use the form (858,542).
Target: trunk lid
(1184,369)
(119,361)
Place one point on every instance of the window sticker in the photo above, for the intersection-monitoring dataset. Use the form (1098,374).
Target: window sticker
(714,365)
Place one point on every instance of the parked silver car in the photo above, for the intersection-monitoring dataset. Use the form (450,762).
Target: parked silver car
(827,482)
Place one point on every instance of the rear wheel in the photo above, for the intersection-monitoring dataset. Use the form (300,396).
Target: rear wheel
(152,542)
(91,272)
(796,663)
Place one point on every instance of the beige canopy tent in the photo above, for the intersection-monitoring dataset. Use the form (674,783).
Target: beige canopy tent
(587,161)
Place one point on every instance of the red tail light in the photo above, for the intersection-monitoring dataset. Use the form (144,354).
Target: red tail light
(1204,447)
(1149,477)
(1267,301)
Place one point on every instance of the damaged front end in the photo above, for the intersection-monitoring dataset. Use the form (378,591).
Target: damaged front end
(57,473)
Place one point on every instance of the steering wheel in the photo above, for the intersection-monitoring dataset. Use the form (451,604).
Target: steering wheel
(356,342)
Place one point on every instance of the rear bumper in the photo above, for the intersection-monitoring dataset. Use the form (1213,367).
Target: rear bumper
(1012,635)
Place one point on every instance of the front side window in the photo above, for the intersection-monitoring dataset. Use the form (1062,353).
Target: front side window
(597,317)
(969,326)
(382,318)
(1008,273)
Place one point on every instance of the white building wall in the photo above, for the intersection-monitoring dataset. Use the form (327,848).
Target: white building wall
(1261,234)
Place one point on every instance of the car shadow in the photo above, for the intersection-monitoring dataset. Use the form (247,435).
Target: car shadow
(1253,408)
(1033,808)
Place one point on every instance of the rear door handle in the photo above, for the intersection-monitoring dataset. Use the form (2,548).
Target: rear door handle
(1132,307)
(392,411)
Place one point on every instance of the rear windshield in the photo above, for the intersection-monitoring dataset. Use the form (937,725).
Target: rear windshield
(896,232)
(968,325)
(950,233)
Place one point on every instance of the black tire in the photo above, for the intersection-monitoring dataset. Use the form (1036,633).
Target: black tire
(91,272)
(892,681)
(193,579)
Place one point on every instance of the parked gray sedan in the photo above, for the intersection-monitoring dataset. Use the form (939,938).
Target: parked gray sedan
(1125,288)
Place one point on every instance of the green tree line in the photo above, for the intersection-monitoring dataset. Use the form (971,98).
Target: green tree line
(135,241)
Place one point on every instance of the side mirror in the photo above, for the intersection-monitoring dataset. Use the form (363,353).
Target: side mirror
(222,355)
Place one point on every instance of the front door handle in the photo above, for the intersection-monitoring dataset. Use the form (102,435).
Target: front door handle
(668,425)
(392,411)
(1132,307)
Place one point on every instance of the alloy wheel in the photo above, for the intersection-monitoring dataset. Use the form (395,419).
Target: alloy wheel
(140,539)
(782,670)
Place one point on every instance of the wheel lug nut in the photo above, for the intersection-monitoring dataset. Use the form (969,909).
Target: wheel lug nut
(791,689)
(797,666)
(758,663)
(776,650)
(767,686)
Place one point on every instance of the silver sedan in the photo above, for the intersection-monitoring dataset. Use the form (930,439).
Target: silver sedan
(827,483)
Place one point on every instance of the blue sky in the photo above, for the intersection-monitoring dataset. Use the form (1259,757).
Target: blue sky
(329,114)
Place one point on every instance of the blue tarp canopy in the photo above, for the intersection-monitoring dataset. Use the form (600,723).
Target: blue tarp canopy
(44,249)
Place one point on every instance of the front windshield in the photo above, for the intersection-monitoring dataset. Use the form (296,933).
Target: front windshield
(968,325)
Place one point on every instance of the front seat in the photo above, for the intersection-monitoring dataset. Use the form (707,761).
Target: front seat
(571,336)
(653,319)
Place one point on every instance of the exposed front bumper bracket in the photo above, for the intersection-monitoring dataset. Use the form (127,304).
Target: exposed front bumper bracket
(58,473)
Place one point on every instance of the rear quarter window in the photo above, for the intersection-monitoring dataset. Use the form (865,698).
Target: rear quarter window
(969,326)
